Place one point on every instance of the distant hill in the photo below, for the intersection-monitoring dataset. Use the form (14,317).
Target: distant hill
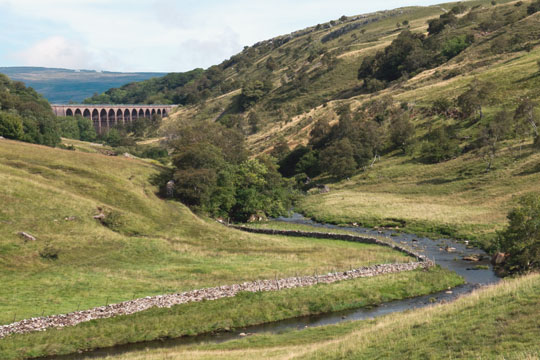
(63,85)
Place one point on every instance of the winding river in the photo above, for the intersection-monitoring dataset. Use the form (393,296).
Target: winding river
(436,250)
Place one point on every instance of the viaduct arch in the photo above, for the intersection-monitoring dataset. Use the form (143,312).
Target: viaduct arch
(105,117)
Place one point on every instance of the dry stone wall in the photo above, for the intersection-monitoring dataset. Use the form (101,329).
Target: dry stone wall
(214,293)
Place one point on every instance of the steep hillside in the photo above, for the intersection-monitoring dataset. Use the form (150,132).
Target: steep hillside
(433,122)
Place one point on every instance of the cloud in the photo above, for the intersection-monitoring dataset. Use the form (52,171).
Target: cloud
(56,51)
(157,35)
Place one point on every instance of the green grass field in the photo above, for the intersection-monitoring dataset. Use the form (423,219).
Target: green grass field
(149,246)
(223,314)
(498,322)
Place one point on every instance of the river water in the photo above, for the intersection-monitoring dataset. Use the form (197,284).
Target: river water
(436,250)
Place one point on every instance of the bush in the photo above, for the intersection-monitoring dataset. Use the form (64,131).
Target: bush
(533,8)
(439,147)
(11,126)
(521,239)
(454,46)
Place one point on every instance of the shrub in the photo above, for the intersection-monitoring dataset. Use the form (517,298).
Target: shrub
(439,147)
(11,126)
(521,239)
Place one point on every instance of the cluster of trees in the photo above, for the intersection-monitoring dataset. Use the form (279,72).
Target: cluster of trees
(25,115)
(355,142)
(212,173)
(77,128)
(409,54)
(175,88)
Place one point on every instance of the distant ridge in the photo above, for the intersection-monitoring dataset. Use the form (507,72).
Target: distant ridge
(62,86)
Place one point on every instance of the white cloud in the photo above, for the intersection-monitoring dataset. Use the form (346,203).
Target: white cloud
(160,35)
(56,51)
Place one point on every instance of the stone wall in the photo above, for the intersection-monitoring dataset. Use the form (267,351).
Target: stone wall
(214,293)
(342,237)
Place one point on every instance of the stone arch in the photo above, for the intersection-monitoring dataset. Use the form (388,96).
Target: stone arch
(127,117)
(87,114)
(104,123)
(134,116)
(159,112)
(120,117)
(141,113)
(111,116)
(147,114)
(153,112)
(96,120)
(164,113)
(69,112)
(78,112)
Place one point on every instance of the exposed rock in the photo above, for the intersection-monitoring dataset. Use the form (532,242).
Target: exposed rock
(323,189)
(99,217)
(242,334)
(70,218)
(473,258)
(26,236)
(169,188)
(2,138)
(499,258)
(128,155)
(256,218)
(449,249)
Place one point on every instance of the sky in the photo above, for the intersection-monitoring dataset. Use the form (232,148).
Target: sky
(156,35)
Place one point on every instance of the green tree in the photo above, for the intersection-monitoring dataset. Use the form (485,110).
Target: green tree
(492,134)
(439,147)
(401,131)
(472,100)
(11,126)
(338,159)
(69,127)
(521,239)
(87,131)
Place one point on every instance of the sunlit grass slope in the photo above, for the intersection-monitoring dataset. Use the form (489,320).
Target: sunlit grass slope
(499,322)
(146,246)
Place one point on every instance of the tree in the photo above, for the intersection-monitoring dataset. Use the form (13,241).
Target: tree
(87,132)
(492,134)
(533,8)
(401,131)
(521,239)
(11,126)
(281,149)
(254,91)
(472,100)
(338,159)
(439,147)
(254,122)
(526,112)
(69,127)
(271,64)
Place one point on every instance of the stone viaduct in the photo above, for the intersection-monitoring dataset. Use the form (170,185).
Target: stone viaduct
(105,117)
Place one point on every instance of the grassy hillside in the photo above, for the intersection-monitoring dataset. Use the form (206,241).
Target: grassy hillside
(144,246)
(498,322)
